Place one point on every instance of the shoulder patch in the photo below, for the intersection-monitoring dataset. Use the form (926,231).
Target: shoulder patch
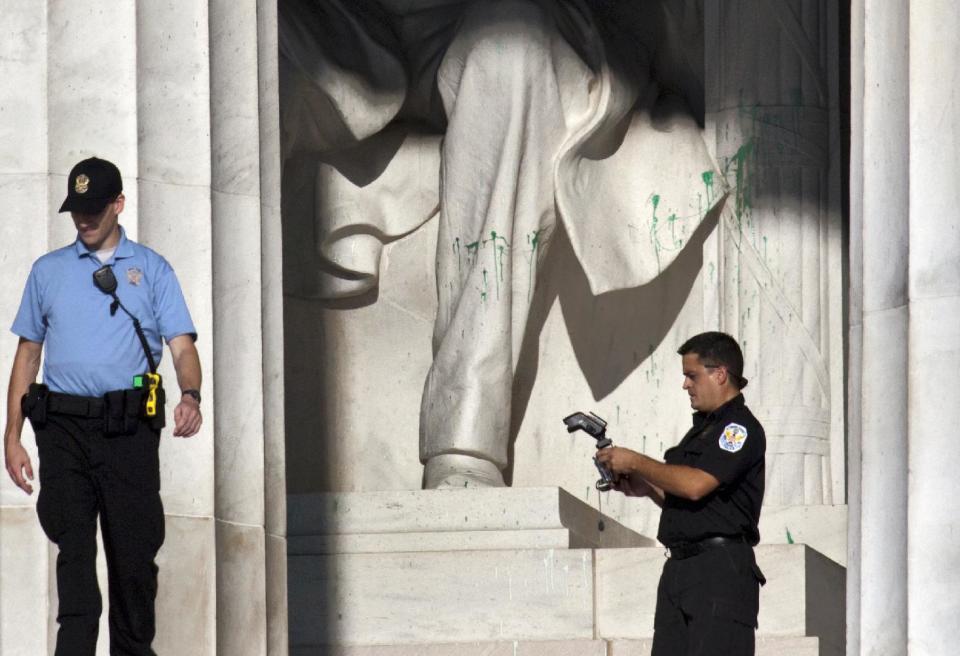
(733,437)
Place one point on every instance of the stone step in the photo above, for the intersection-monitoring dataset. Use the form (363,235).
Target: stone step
(765,647)
(449,520)
(533,594)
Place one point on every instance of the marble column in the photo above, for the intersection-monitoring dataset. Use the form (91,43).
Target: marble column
(855,333)
(885,307)
(173,128)
(933,507)
(23,185)
(271,254)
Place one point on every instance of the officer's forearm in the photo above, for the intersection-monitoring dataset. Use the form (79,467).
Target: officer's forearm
(186,362)
(26,365)
(678,480)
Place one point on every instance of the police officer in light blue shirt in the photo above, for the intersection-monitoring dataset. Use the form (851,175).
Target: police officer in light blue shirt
(97,437)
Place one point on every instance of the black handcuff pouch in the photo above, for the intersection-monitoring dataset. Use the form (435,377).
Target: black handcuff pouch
(33,404)
(122,410)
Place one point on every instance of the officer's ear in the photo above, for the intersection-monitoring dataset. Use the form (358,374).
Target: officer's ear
(118,203)
(722,375)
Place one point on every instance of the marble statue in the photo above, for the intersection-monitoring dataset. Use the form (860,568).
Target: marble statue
(504,120)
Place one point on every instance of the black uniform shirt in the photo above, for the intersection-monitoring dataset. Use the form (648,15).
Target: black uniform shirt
(728,443)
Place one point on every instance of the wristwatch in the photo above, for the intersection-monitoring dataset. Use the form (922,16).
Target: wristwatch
(194,393)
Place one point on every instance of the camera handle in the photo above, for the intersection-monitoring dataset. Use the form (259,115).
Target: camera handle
(607,479)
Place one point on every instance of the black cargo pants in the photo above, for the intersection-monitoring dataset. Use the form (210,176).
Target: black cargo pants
(707,604)
(83,475)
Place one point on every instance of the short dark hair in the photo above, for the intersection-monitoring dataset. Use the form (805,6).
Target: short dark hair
(717,349)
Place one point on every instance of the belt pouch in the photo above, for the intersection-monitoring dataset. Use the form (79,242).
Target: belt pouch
(34,405)
(121,412)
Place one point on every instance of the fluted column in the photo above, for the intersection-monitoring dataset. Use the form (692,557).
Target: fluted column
(173,126)
(237,312)
(855,330)
(933,555)
(885,237)
(274,433)
(23,186)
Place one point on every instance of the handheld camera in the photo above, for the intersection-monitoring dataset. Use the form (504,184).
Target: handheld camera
(596,428)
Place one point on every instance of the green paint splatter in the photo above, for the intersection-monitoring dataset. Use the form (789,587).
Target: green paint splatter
(456,250)
(500,245)
(534,242)
(708,184)
(789,537)
(472,250)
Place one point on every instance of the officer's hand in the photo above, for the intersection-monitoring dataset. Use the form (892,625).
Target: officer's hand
(617,459)
(632,486)
(187,417)
(18,466)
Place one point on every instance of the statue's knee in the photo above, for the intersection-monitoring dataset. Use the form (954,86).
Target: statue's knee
(501,29)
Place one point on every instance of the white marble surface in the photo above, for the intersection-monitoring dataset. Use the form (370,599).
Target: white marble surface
(933,560)
(503,518)
(241,618)
(419,598)
(234,95)
(23,43)
(237,343)
(823,528)
(92,85)
(278,634)
(187,595)
(167,213)
(23,581)
(558,538)
(512,648)
(173,93)
(355,599)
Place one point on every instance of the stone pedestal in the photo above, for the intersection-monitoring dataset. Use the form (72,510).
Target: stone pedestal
(391,573)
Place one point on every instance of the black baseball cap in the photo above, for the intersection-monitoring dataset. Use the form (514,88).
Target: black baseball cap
(91,186)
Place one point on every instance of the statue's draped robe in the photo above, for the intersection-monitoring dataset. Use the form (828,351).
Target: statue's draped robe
(499,117)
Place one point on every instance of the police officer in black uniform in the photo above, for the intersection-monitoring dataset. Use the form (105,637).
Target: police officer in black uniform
(710,489)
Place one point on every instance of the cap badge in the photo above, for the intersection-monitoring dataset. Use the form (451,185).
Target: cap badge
(81,184)
(134,275)
(733,438)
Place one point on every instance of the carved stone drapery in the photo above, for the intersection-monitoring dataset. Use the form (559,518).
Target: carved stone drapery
(771,84)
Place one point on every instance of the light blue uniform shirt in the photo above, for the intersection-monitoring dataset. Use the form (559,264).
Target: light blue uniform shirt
(87,351)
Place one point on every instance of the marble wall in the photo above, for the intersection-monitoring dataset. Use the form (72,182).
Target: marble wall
(182,97)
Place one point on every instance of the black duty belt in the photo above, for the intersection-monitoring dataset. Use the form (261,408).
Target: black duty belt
(78,406)
(690,549)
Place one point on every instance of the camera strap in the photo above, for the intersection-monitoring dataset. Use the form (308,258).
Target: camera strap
(106,282)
